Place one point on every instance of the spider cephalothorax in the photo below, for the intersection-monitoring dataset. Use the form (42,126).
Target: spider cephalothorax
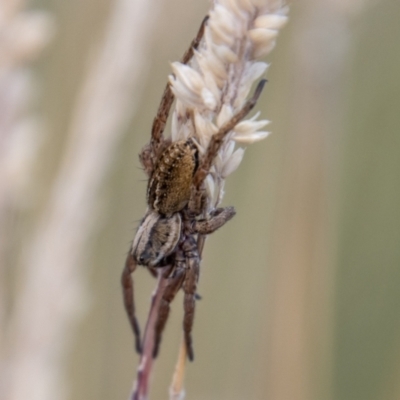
(170,183)
(177,216)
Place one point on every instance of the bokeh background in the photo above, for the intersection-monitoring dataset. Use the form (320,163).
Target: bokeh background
(300,291)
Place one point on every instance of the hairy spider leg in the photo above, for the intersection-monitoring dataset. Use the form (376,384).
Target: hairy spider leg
(168,97)
(128,294)
(172,288)
(189,288)
(218,139)
(202,227)
(218,218)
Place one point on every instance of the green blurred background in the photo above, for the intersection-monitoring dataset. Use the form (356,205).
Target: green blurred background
(300,292)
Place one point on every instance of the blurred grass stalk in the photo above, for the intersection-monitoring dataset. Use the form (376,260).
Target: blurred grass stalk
(23,34)
(302,263)
(51,294)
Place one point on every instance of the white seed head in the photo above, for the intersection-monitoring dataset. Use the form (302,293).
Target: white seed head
(224,115)
(210,186)
(217,81)
(232,162)
(270,21)
(249,126)
(251,138)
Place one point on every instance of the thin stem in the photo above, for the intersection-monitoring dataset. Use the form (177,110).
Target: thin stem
(146,360)
(176,391)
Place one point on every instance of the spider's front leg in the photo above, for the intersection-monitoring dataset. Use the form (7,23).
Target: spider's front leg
(127,288)
(218,139)
(150,152)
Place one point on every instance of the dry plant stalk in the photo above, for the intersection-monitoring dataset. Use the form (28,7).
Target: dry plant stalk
(23,35)
(43,321)
(211,92)
(176,390)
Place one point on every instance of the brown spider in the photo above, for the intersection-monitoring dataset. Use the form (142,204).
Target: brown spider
(171,234)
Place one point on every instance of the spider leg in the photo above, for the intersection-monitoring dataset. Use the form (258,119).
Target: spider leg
(218,218)
(187,56)
(168,97)
(189,288)
(198,200)
(172,288)
(127,290)
(218,139)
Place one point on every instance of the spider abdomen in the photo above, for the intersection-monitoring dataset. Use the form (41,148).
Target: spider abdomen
(170,184)
(156,238)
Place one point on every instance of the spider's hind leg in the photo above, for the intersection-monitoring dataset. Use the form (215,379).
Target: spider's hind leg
(129,302)
(173,286)
(189,288)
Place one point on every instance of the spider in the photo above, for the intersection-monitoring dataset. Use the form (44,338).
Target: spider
(171,234)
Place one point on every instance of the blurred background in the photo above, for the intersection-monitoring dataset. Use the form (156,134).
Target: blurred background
(300,292)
